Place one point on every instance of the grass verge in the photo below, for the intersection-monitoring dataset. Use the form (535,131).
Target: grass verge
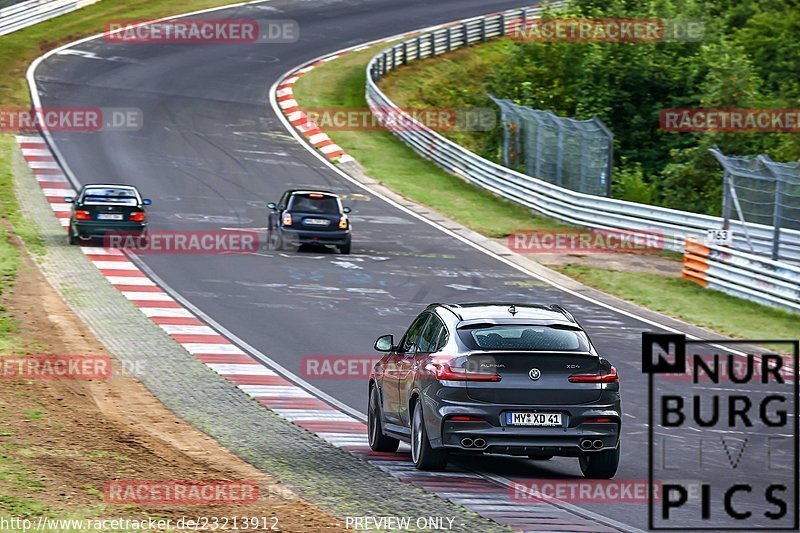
(19,49)
(9,255)
(341,84)
(397,166)
(691,303)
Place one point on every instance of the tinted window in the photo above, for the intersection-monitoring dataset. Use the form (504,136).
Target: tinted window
(412,335)
(442,340)
(430,335)
(311,203)
(522,337)
(284,199)
(109,195)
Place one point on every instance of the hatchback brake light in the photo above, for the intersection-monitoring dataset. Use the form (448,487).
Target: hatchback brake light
(287,219)
(443,372)
(83,215)
(343,223)
(596,377)
(137,216)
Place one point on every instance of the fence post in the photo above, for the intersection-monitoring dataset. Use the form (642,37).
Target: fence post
(394,57)
(483,30)
(584,163)
(777,220)
(539,143)
(405,52)
(383,64)
(502,18)
(419,47)
(560,156)
(449,39)
(726,199)
(465,33)
(610,164)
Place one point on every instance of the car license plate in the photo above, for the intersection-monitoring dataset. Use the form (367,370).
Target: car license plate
(317,221)
(533,419)
(106,216)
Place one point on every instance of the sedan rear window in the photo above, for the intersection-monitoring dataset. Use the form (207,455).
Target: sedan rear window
(110,195)
(314,203)
(524,337)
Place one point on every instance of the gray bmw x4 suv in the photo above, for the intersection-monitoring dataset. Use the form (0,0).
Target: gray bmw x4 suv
(496,378)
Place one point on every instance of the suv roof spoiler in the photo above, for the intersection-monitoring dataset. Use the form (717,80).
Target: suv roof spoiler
(555,307)
(560,309)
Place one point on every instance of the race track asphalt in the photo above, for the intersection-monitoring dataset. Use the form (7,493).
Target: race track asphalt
(212,153)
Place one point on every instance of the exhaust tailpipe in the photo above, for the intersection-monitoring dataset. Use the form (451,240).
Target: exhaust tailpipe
(586,444)
(479,443)
(467,442)
(597,444)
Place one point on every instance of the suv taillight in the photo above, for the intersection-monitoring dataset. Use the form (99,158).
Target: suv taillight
(287,219)
(83,215)
(596,377)
(443,372)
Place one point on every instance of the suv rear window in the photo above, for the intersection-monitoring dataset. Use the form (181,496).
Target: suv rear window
(314,203)
(110,195)
(524,337)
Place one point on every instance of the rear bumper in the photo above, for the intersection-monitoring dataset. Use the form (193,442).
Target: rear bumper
(296,236)
(94,228)
(501,438)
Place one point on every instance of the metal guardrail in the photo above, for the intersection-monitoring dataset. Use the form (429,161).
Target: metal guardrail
(22,15)
(744,275)
(551,200)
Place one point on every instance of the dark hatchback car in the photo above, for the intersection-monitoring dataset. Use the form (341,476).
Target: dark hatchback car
(309,217)
(510,379)
(100,209)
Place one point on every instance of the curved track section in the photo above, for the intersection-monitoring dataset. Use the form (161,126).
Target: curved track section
(212,153)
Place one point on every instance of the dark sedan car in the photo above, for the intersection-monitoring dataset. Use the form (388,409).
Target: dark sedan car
(309,217)
(100,209)
(496,378)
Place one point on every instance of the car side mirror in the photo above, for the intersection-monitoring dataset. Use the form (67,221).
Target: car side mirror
(346,210)
(69,200)
(385,343)
(147,201)
(272,206)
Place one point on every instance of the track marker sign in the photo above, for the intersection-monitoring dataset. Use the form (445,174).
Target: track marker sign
(723,445)
(719,237)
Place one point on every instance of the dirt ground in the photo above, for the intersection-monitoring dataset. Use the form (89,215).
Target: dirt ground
(73,436)
(646,263)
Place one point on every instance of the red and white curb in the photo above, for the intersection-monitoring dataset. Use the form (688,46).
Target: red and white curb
(288,105)
(299,120)
(315,136)
(198,338)
(54,183)
(284,397)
